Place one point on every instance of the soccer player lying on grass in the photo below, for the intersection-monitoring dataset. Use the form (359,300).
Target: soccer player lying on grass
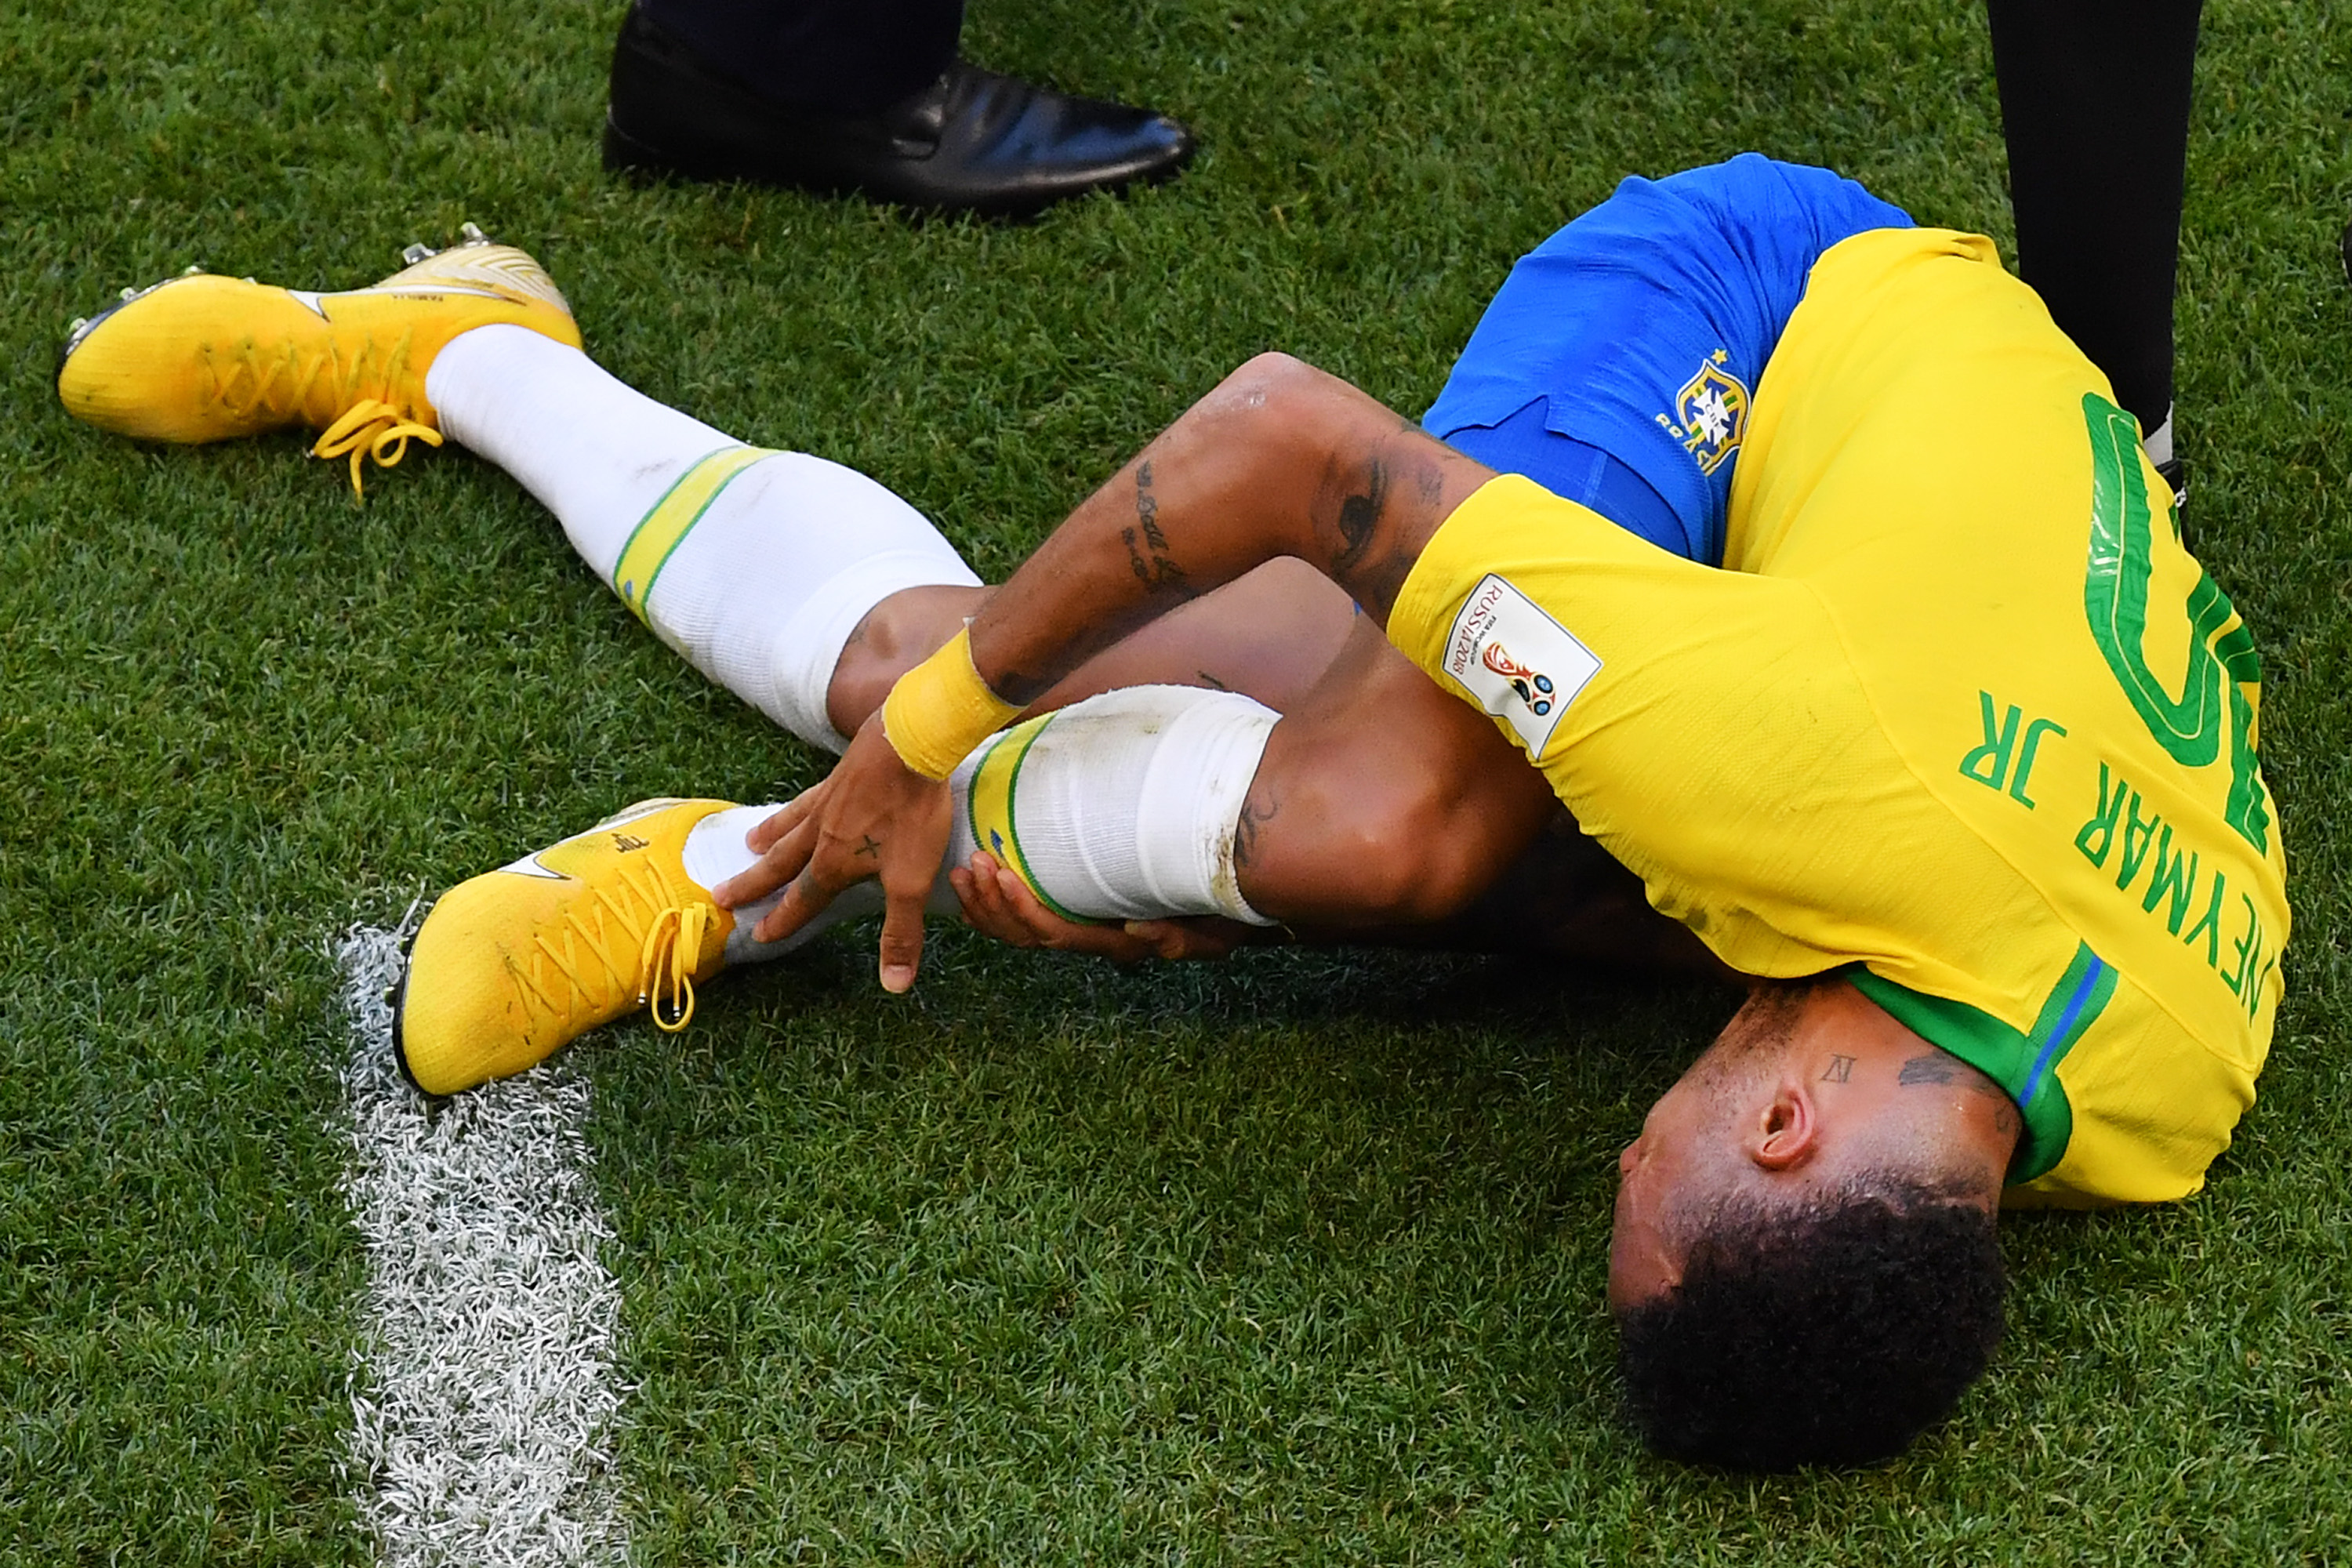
(1840,618)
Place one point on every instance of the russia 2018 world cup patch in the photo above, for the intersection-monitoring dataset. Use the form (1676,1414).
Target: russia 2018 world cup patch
(1522,666)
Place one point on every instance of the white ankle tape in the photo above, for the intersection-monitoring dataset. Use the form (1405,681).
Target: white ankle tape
(1123,806)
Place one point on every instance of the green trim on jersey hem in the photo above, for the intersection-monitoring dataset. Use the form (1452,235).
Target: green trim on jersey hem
(2025,1064)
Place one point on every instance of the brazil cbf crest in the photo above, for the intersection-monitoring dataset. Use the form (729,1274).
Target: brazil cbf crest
(1522,666)
(1710,416)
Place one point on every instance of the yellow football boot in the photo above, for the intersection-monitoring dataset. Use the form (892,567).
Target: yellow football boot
(204,358)
(514,964)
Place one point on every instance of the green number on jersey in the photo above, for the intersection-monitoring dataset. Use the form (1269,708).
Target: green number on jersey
(2222,664)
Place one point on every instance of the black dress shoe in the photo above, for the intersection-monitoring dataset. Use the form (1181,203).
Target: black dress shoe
(2176,473)
(971,142)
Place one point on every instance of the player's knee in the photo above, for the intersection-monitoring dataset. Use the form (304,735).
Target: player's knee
(1273,387)
(896,635)
(1270,369)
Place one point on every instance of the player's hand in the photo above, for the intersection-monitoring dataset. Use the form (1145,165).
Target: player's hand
(998,903)
(871,817)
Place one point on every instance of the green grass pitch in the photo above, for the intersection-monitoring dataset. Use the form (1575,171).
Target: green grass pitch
(1296,1259)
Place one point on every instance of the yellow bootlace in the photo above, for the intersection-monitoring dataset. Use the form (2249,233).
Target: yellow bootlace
(599,951)
(371,428)
(667,961)
(285,384)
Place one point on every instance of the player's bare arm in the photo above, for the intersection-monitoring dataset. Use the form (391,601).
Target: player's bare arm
(1280,459)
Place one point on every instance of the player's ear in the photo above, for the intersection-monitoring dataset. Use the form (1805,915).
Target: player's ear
(1785,1130)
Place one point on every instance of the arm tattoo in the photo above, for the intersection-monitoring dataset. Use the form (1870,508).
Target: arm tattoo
(1359,516)
(1146,543)
(1020,686)
(1372,500)
(1431,480)
(1255,814)
(1841,1070)
(1147,507)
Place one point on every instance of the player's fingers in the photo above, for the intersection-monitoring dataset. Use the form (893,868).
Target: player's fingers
(1043,927)
(804,897)
(1185,939)
(983,873)
(1003,906)
(998,926)
(984,908)
(989,910)
(783,819)
(1166,939)
(902,938)
(783,860)
(811,871)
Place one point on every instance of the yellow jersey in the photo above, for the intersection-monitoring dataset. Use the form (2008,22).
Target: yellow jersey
(1961,712)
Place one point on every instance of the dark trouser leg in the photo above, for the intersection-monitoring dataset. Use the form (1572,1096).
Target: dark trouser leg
(2095,105)
(847,57)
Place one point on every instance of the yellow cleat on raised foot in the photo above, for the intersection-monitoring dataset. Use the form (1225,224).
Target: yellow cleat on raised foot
(516,963)
(204,358)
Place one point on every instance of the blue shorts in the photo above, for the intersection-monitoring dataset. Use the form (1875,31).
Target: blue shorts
(1617,363)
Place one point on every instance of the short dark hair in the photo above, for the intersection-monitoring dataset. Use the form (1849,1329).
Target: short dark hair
(1832,1333)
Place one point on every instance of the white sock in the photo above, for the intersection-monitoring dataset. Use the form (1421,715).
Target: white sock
(2158,441)
(759,584)
(1120,808)
(715,851)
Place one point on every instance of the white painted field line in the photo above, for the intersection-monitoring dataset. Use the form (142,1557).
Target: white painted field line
(486,1398)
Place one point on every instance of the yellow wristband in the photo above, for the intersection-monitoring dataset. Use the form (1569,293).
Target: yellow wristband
(942,709)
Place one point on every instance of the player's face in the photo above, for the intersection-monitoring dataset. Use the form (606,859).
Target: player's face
(1689,1146)
(1644,1260)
